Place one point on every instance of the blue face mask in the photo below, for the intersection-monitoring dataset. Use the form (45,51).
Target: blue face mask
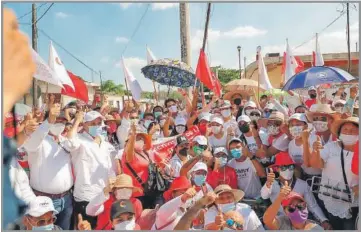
(96,131)
(222,161)
(157,114)
(236,153)
(267,114)
(199,180)
(47,227)
(147,123)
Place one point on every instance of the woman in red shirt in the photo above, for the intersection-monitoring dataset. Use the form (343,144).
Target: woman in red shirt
(221,174)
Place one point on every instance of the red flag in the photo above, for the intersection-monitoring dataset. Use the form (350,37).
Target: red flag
(300,65)
(81,91)
(203,72)
(313,58)
(217,89)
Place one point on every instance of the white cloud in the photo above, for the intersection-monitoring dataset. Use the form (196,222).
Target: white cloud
(163,6)
(125,5)
(197,39)
(132,63)
(61,15)
(121,40)
(244,32)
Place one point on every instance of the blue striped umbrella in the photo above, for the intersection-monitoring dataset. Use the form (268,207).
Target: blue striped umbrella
(317,75)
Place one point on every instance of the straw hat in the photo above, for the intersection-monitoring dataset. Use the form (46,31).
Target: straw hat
(110,118)
(223,188)
(323,109)
(339,123)
(125,181)
(229,96)
(276,116)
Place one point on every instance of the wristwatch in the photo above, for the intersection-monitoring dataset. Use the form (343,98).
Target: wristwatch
(253,157)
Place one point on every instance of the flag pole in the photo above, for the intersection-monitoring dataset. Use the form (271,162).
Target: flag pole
(126,87)
(258,57)
(206,32)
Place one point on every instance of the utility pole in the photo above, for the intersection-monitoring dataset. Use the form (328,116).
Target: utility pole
(34,39)
(185,35)
(239,61)
(101,87)
(245,65)
(205,35)
(356,47)
(348,37)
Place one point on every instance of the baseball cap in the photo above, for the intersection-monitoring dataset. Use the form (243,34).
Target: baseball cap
(243,118)
(180,121)
(298,117)
(277,116)
(226,104)
(283,159)
(199,166)
(250,104)
(235,139)
(220,150)
(312,88)
(292,196)
(40,206)
(201,140)
(92,115)
(339,101)
(204,116)
(182,140)
(120,207)
(270,106)
(217,120)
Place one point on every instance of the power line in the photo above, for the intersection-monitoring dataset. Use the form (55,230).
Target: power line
(46,11)
(37,8)
(136,29)
(330,24)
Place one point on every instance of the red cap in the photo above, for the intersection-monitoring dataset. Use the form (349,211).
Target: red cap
(283,159)
(178,183)
(293,195)
(9,117)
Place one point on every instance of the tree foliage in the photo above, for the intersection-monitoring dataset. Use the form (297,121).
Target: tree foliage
(109,87)
(226,75)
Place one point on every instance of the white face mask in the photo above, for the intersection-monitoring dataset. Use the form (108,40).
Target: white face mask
(216,129)
(320,126)
(126,225)
(296,131)
(248,112)
(339,109)
(273,130)
(173,109)
(147,123)
(254,118)
(156,135)
(72,111)
(162,122)
(287,175)
(123,194)
(139,145)
(226,113)
(349,139)
(57,129)
(180,129)
(227,207)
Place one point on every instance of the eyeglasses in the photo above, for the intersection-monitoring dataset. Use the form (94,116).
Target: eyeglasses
(274,123)
(320,118)
(290,167)
(255,114)
(300,206)
(44,222)
(204,147)
(230,223)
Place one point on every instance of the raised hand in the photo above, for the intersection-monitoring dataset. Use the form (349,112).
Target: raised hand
(83,224)
(189,194)
(79,116)
(109,188)
(54,112)
(219,220)
(317,145)
(285,191)
(270,178)
(208,199)
(305,135)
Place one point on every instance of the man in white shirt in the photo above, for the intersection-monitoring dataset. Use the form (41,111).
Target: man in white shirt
(93,163)
(228,119)
(180,157)
(219,134)
(50,164)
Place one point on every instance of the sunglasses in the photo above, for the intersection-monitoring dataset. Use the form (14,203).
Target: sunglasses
(230,223)
(274,123)
(300,206)
(44,222)
(290,167)
(320,118)
(255,114)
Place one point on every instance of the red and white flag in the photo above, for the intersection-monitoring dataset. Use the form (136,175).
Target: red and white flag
(291,64)
(57,66)
(150,56)
(133,84)
(317,55)
(262,71)
(81,90)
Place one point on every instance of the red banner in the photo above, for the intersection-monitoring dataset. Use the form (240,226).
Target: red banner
(164,150)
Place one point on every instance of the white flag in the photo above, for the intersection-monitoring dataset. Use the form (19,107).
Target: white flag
(150,56)
(43,72)
(58,67)
(262,71)
(291,63)
(132,82)
(318,58)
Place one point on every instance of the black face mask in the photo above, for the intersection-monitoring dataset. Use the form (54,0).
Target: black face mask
(244,128)
(183,151)
(313,95)
(237,101)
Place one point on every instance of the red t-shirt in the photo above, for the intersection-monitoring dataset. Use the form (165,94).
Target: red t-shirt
(140,166)
(310,102)
(227,176)
(103,220)
(354,162)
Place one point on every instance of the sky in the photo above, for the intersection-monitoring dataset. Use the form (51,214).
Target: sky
(97,33)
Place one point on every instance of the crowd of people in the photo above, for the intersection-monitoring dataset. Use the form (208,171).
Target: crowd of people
(237,162)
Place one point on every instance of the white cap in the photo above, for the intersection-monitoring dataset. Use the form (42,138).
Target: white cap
(199,166)
(243,118)
(40,206)
(299,117)
(312,88)
(217,120)
(205,116)
(220,150)
(339,101)
(250,104)
(270,106)
(234,139)
(201,140)
(92,115)
(226,104)
(180,121)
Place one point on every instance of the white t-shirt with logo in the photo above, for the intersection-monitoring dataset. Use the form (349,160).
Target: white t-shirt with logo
(296,153)
(247,178)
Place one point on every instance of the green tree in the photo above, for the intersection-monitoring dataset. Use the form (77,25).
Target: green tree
(226,75)
(147,95)
(109,87)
